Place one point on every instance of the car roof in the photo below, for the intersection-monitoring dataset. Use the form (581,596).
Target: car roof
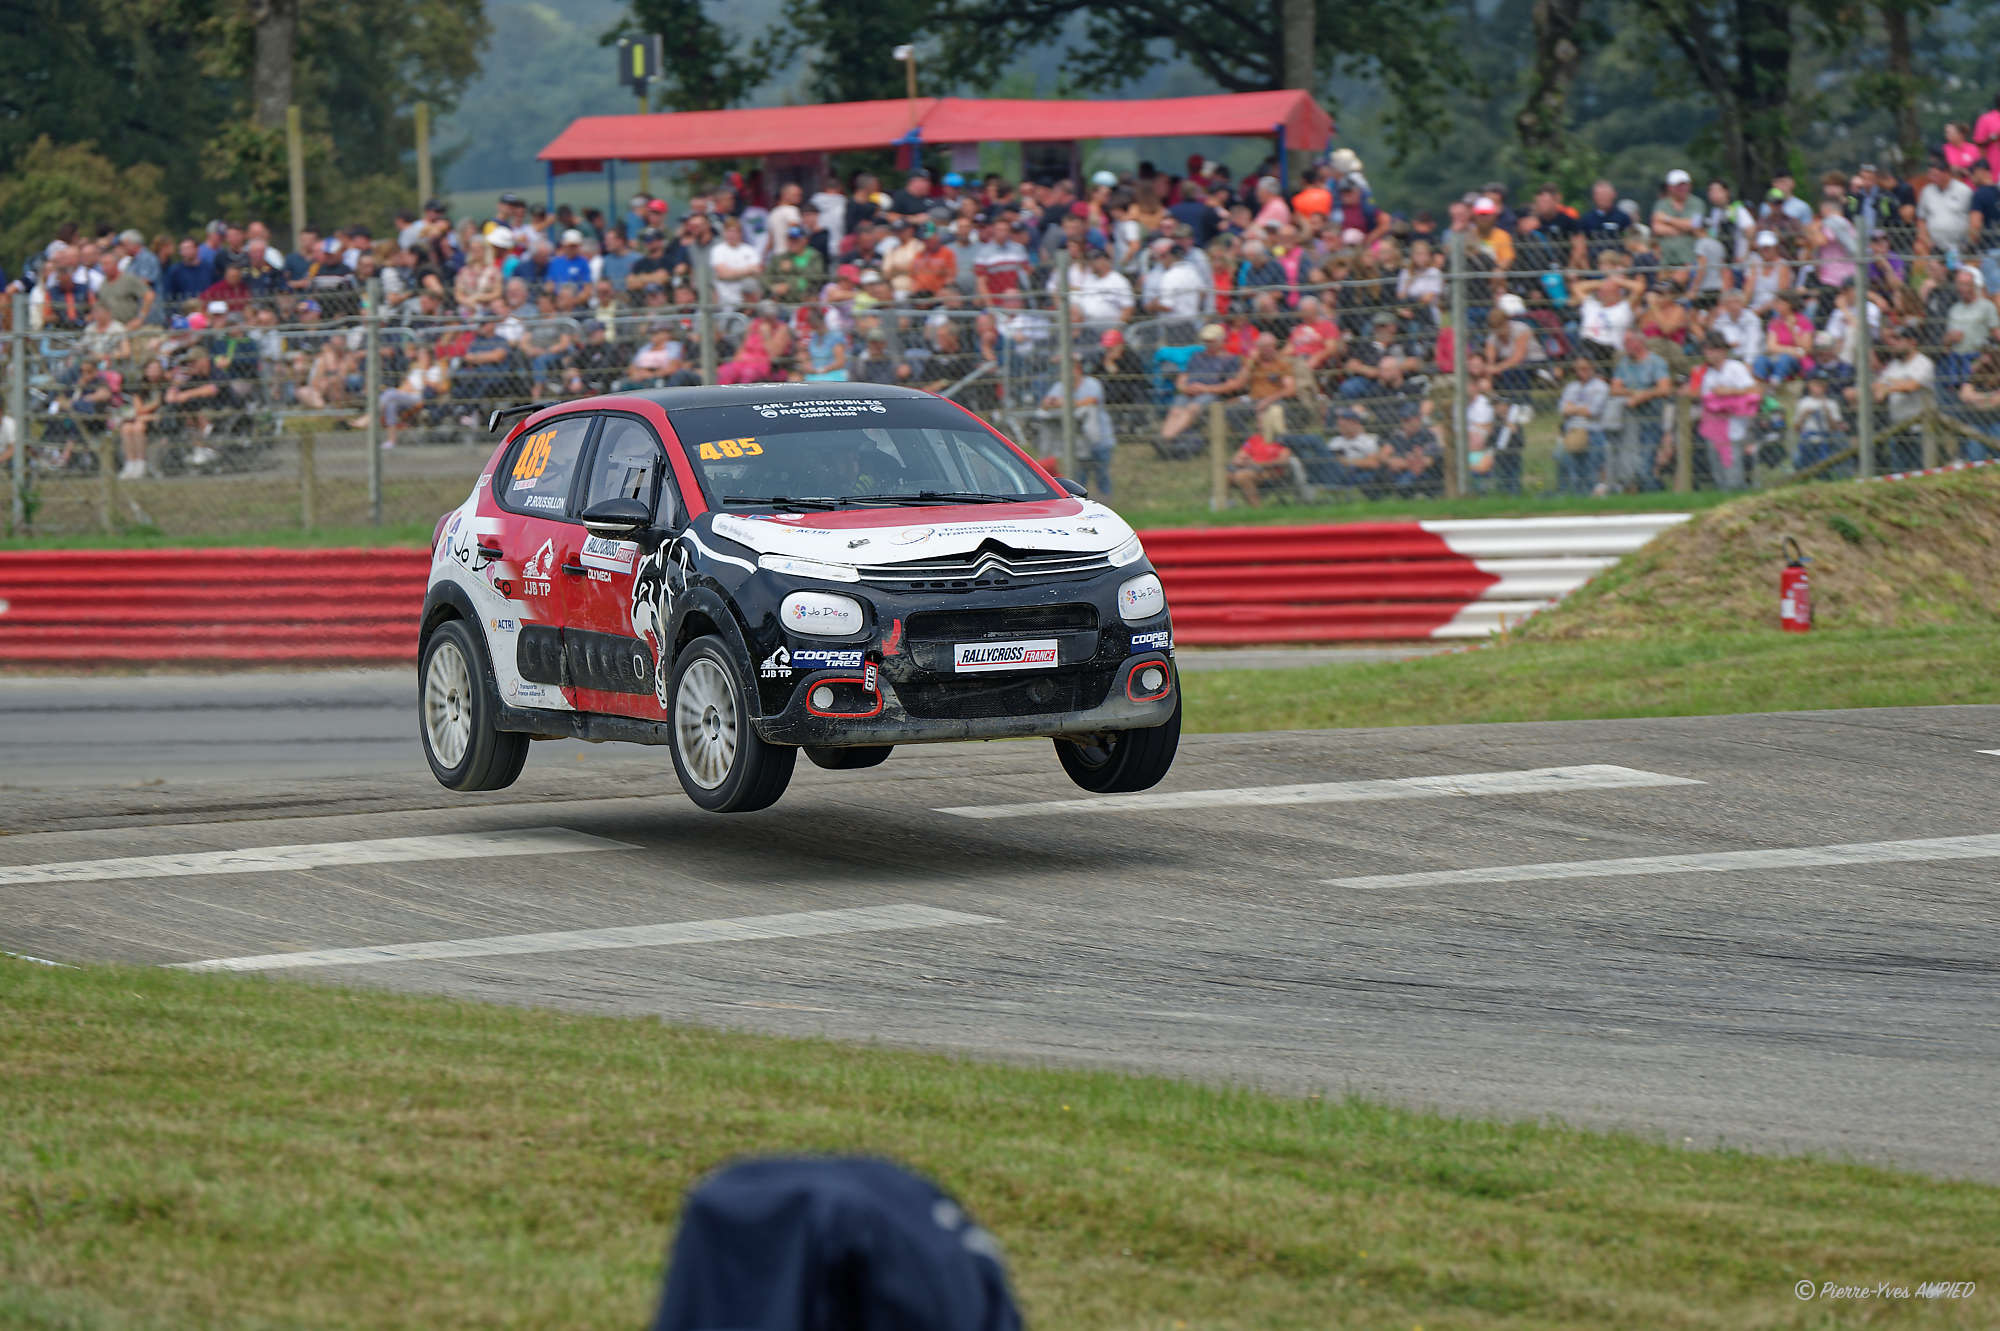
(749,395)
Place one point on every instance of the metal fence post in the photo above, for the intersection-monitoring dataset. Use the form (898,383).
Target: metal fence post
(1457,469)
(308,501)
(17,407)
(1067,366)
(704,294)
(1683,444)
(371,393)
(1864,343)
(1218,461)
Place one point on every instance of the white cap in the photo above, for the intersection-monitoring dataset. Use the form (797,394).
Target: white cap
(572,237)
(218,307)
(1104,178)
(500,238)
(871,276)
(1512,305)
(1765,238)
(1679,177)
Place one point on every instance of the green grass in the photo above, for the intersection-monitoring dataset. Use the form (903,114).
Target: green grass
(1703,674)
(222,1151)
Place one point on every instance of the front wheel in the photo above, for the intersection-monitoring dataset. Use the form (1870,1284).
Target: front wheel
(1121,761)
(456,709)
(723,764)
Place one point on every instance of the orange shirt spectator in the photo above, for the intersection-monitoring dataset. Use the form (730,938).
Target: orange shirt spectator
(935,266)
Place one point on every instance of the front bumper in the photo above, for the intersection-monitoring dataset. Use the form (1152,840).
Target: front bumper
(1085,700)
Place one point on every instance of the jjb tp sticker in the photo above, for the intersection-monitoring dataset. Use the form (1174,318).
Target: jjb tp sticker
(971,657)
(609,555)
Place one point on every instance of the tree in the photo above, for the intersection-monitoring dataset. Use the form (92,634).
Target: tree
(849,48)
(1740,53)
(1409,46)
(1543,120)
(51,184)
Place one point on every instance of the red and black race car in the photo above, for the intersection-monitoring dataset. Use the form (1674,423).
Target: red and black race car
(742,572)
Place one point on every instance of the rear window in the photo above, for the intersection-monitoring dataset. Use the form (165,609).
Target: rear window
(850,449)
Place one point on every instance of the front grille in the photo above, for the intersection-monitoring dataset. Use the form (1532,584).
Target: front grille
(1003,621)
(965,698)
(992,565)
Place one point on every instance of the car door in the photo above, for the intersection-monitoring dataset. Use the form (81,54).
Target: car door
(535,485)
(609,641)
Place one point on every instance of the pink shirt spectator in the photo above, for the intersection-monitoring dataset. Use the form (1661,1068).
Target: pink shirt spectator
(1961,156)
(1275,212)
(1986,133)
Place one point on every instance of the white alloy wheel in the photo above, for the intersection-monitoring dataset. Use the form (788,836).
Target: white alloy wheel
(448,704)
(705,723)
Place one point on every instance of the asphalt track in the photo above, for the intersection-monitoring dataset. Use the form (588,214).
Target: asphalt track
(1841,1003)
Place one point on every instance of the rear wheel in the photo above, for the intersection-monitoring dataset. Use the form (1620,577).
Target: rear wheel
(848,759)
(456,715)
(1120,761)
(723,764)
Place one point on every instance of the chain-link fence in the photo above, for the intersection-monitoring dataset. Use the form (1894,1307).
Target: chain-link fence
(1193,380)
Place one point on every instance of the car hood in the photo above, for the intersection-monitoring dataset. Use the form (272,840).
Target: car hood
(902,535)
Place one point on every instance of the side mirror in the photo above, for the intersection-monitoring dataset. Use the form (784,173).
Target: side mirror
(1074,487)
(616,517)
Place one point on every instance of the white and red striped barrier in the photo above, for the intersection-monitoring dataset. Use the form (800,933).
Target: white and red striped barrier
(1383,581)
(1355,581)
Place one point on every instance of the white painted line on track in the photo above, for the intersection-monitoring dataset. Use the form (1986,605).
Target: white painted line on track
(322,855)
(743,929)
(1535,781)
(1721,861)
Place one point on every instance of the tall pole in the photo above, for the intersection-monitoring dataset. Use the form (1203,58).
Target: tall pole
(645,167)
(1864,348)
(17,407)
(423,119)
(704,294)
(1068,365)
(1460,377)
(371,393)
(295,155)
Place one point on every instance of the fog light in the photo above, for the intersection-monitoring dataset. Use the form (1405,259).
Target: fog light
(1151,678)
(822,698)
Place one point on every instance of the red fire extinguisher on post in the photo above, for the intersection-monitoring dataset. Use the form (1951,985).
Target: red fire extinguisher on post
(1794,591)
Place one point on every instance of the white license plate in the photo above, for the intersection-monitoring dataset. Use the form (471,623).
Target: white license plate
(967,657)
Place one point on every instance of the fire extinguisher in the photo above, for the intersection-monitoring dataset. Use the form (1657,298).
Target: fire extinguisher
(1794,591)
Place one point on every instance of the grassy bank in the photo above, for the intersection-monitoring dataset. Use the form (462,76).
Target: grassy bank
(181,1150)
(1702,674)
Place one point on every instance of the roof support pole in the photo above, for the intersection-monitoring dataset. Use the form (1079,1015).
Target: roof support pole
(1284,167)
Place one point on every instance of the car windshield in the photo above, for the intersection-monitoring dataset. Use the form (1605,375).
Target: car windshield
(834,452)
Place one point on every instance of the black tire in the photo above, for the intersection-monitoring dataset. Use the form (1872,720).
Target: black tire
(849,759)
(456,719)
(1122,761)
(723,764)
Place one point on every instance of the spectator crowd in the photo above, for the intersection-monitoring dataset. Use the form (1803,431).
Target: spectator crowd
(1318,317)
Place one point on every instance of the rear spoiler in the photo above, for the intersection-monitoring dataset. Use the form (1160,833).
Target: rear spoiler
(503,415)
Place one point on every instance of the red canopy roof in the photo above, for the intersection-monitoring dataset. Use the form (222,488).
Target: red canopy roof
(590,141)
(752,132)
(974,120)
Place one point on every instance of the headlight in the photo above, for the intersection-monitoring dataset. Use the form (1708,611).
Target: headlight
(822,614)
(1141,598)
(809,568)
(1129,553)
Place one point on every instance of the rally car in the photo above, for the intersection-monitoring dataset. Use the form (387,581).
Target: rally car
(740,573)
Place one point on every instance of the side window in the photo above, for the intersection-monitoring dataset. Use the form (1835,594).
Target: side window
(541,469)
(630,465)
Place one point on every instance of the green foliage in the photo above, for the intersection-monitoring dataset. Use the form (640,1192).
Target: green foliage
(165,83)
(51,184)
